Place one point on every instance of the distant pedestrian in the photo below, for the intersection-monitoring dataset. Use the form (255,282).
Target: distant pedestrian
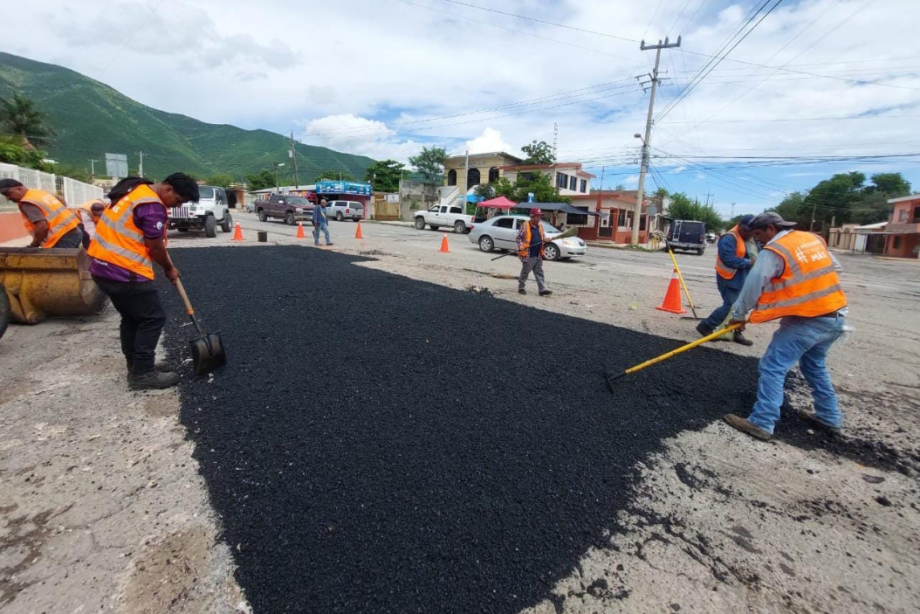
(732,265)
(321,222)
(795,278)
(45,216)
(531,244)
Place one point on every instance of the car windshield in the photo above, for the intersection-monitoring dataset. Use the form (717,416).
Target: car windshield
(205,193)
(298,200)
(547,227)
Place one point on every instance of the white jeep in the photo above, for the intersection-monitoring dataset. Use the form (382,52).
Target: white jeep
(210,211)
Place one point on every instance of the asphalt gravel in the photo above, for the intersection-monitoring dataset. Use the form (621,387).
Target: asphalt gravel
(381,444)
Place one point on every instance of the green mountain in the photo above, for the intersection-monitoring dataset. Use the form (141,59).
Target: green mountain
(93,119)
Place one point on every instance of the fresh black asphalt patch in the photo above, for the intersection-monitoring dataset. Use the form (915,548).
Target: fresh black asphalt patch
(380,444)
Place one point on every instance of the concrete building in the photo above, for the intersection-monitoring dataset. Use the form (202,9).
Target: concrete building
(902,238)
(483,168)
(616,209)
(568,177)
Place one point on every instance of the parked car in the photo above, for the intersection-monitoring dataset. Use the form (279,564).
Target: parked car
(342,209)
(687,235)
(711,237)
(291,209)
(501,232)
(444,215)
(210,210)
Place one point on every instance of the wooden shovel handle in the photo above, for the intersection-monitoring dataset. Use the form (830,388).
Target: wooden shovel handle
(185,301)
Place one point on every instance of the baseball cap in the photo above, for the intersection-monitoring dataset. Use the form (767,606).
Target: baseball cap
(745,221)
(6,184)
(767,218)
(536,211)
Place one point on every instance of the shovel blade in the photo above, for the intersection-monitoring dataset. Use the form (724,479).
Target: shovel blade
(207,354)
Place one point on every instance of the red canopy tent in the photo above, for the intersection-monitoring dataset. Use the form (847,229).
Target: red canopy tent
(499,202)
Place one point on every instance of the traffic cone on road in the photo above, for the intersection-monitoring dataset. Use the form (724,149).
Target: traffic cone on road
(672,297)
(238,233)
(300,234)
(444,248)
(358,234)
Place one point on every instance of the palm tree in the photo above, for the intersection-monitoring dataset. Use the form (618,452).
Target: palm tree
(18,116)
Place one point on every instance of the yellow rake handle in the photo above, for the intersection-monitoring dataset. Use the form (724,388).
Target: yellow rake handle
(682,284)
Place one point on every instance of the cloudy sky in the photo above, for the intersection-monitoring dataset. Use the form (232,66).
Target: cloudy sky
(807,81)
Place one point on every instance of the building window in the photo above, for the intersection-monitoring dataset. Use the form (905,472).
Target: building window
(897,243)
(642,221)
(562,180)
(916,219)
(451,177)
(605,220)
(493,174)
(573,183)
(472,177)
(584,186)
(623,219)
(902,215)
(573,219)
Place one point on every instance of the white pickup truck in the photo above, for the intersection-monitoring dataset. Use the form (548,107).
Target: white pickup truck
(444,215)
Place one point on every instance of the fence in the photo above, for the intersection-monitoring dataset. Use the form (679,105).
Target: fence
(73,191)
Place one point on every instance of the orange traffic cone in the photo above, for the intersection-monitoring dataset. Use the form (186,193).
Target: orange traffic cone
(444,249)
(358,234)
(672,298)
(238,233)
(300,234)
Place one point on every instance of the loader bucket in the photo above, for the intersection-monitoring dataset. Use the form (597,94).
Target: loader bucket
(48,283)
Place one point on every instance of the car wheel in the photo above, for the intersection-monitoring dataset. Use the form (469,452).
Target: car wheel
(210,226)
(339,217)
(486,243)
(420,223)
(435,227)
(263,217)
(551,252)
(4,311)
(459,227)
(227,224)
(289,218)
(699,252)
(182,229)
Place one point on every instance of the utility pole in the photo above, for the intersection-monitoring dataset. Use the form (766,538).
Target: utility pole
(643,167)
(733,211)
(92,172)
(555,142)
(140,168)
(814,211)
(467,184)
(294,160)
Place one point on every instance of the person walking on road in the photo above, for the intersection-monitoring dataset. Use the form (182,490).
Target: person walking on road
(130,237)
(320,222)
(795,279)
(48,220)
(531,243)
(733,263)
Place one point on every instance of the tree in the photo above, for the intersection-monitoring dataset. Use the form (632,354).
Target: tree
(538,152)
(682,208)
(13,152)
(222,180)
(261,181)
(430,163)
(892,185)
(485,191)
(540,184)
(19,116)
(335,176)
(384,175)
(792,209)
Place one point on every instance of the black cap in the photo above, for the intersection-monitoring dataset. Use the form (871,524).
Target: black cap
(745,221)
(769,218)
(6,184)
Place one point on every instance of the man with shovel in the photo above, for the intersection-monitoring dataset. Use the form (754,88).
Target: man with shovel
(795,279)
(130,237)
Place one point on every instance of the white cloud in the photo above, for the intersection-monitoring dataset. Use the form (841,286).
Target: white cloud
(490,140)
(631,181)
(359,135)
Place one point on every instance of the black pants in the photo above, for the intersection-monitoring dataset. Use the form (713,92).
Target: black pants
(142,320)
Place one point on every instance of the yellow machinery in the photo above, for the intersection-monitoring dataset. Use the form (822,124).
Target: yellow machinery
(48,283)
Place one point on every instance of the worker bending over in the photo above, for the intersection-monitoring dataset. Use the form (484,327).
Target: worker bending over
(531,244)
(48,220)
(795,279)
(732,265)
(89,214)
(130,237)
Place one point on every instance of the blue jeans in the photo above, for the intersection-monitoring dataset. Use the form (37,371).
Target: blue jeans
(806,341)
(321,228)
(729,296)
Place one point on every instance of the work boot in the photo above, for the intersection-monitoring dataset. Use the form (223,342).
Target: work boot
(546,293)
(813,418)
(704,329)
(746,427)
(163,366)
(522,291)
(152,380)
(740,339)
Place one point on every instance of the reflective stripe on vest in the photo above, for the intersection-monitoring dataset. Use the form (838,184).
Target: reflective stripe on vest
(808,286)
(725,271)
(524,252)
(118,240)
(60,219)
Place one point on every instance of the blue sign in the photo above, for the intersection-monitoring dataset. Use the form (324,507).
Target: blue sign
(530,197)
(343,187)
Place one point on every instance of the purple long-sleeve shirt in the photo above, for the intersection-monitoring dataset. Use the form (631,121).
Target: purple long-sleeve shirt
(151,219)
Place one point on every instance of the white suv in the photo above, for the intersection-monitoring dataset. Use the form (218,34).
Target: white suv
(210,210)
(342,209)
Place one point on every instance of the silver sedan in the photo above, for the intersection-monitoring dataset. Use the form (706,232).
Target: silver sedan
(501,233)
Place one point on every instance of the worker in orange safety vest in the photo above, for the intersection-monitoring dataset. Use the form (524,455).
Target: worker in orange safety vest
(794,280)
(531,243)
(48,220)
(732,265)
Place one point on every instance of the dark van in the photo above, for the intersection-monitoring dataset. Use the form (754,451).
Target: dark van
(687,235)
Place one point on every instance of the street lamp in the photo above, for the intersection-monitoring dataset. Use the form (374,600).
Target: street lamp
(277,184)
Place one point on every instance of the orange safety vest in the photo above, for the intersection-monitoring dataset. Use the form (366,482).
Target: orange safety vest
(61,220)
(85,210)
(808,287)
(525,246)
(118,240)
(725,271)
